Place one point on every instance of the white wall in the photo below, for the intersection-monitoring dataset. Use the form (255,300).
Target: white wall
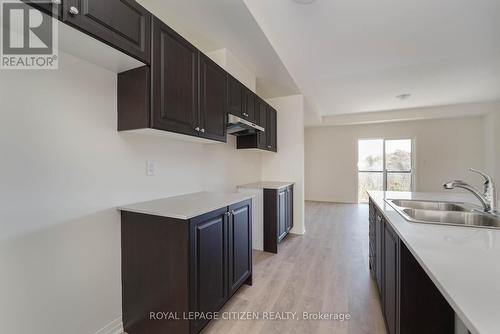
(63,170)
(444,150)
(492,145)
(226,59)
(288,163)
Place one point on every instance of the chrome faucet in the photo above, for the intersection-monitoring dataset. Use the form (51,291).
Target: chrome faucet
(488,198)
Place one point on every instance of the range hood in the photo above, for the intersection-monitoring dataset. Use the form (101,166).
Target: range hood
(238,126)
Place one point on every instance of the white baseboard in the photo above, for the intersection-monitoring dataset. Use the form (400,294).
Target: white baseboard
(114,327)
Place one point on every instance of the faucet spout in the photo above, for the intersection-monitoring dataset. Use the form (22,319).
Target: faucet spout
(485,202)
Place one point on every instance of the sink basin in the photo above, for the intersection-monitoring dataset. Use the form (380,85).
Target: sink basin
(431,205)
(452,218)
(444,213)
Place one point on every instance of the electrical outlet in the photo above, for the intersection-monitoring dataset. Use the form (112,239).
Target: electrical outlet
(150,168)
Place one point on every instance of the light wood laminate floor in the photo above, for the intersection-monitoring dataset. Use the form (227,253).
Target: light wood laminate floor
(325,270)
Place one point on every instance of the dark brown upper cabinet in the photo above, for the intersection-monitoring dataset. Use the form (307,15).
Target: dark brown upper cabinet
(272,129)
(266,140)
(262,136)
(234,96)
(249,98)
(123,24)
(188,90)
(174,70)
(213,106)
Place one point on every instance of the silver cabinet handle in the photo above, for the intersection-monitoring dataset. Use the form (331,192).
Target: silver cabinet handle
(197,129)
(73,10)
(269,146)
(202,130)
(228,214)
(233,213)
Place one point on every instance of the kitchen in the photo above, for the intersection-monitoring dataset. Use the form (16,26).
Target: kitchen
(128,144)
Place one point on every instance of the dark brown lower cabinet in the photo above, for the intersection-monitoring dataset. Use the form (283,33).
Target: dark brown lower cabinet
(209,254)
(278,216)
(173,268)
(240,246)
(391,279)
(379,261)
(410,302)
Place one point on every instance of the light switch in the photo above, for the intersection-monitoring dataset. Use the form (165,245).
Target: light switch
(150,168)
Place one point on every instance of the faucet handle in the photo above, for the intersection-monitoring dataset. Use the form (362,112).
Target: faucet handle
(487,178)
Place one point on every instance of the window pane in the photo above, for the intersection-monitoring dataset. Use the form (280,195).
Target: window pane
(370,155)
(369,181)
(398,181)
(398,155)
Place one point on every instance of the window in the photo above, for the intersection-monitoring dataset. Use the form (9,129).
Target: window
(384,165)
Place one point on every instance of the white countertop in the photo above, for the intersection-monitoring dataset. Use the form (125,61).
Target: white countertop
(266,185)
(187,206)
(463,262)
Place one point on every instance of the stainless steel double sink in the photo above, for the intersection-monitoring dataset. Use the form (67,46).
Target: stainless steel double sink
(444,213)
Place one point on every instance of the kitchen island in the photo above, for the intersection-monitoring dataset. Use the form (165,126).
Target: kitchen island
(463,264)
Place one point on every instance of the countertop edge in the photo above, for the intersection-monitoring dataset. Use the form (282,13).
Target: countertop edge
(257,186)
(128,208)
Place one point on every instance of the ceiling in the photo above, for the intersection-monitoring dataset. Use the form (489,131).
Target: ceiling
(350,56)
(353,56)
(217,24)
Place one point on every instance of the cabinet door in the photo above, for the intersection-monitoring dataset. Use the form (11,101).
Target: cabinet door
(208,276)
(391,278)
(212,100)
(372,242)
(379,244)
(271,130)
(234,96)
(262,136)
(175,82)
(249,105)
(282,214)
(123,24)
(289,207)
(240,244)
